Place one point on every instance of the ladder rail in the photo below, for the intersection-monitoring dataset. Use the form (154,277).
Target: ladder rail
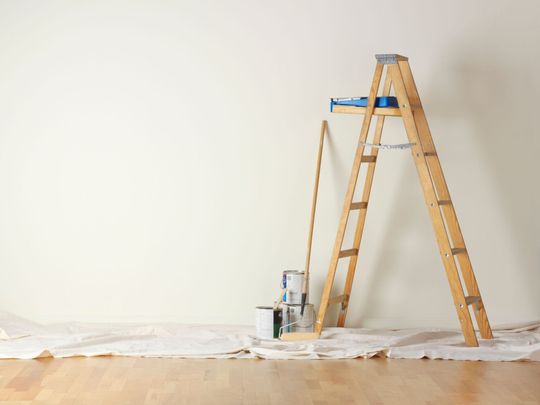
(431,198)
(368,182)
(348,199)
(443,193)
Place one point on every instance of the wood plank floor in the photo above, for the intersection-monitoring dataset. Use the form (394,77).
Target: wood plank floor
(124,380)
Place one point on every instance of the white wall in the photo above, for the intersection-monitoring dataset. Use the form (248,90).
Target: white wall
(157,158)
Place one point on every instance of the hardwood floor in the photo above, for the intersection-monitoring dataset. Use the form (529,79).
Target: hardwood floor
(124,380)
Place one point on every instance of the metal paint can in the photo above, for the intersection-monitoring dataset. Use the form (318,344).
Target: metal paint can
(294,322)
(267,322)
(292,282)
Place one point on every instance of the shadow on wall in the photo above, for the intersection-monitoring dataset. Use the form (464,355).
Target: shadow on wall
(496,104)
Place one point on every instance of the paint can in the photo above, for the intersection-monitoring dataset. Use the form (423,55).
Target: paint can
(294,322)
(292,282)
(267,322)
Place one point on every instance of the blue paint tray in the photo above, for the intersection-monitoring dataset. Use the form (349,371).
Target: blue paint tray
(380,102)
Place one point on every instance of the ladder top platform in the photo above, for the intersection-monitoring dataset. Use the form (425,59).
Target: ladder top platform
(384,101)
(390,58)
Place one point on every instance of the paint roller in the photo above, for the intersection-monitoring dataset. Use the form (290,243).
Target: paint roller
(305,283)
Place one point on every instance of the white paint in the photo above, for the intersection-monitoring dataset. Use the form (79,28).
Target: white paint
(157,158)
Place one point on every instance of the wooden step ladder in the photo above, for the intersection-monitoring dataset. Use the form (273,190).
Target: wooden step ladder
(436,194)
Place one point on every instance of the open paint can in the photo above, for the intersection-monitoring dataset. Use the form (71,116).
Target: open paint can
(294,322)
(292,283)
(267,322)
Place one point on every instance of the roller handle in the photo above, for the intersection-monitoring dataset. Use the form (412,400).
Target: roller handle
(324,125)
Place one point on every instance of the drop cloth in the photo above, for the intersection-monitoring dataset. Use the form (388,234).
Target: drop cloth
(24,339)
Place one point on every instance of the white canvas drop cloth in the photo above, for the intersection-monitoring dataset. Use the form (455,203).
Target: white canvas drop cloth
(23,339)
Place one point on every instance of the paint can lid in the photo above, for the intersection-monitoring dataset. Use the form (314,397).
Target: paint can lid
(293,272)
(268,308)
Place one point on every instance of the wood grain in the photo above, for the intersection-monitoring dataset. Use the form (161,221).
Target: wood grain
(147,381)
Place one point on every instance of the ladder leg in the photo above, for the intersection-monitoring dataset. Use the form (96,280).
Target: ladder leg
(432,202)
(362,212)
(348,200)
(443,194)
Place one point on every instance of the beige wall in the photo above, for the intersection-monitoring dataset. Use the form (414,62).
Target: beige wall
(156,158)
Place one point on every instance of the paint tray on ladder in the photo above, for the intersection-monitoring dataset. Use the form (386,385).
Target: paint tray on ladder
(380,102)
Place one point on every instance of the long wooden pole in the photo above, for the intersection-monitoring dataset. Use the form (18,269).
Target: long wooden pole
(305,283)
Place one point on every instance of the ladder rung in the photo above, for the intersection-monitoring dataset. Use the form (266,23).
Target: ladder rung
(348,252)
(338,299)
(430,154)
(472,299)
(358,205)
(457,251)
(444,202)
(369,159)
